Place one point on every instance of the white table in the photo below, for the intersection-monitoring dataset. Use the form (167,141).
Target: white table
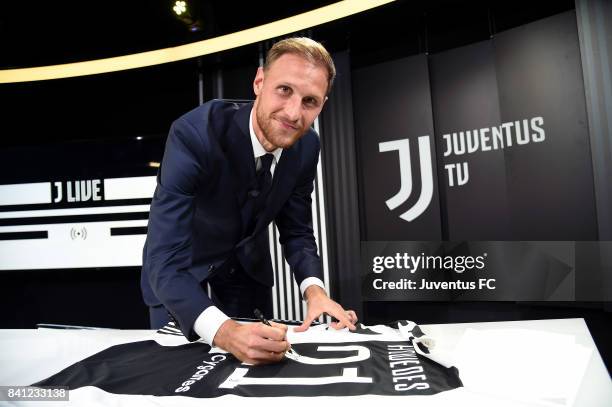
(595,388)
(30,355)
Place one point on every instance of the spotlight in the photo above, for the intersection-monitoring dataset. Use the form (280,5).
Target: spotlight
(183,12)
(180,7)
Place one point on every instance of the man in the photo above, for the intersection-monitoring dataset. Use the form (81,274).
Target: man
(227,172)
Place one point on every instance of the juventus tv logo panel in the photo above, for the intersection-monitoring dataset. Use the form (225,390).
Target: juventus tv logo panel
(403,148)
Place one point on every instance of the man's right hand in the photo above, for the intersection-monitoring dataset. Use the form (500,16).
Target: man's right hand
(253,343)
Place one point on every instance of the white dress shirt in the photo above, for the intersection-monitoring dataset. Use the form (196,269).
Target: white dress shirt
(210,320)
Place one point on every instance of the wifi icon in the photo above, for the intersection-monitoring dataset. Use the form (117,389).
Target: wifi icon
(78,233)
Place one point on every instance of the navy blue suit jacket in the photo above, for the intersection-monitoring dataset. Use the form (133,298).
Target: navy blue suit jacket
(196,222)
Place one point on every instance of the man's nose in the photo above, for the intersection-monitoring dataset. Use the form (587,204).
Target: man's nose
(293,108)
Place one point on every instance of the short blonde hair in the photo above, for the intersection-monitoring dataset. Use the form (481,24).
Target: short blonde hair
(307,48)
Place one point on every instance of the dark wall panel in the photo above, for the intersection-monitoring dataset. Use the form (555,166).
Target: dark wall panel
(392,102)
(339,162)
(550,184)
(464,98)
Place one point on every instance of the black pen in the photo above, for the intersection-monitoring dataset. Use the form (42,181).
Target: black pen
(261,317)
(264,321)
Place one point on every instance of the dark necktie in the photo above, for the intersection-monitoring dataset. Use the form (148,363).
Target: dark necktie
(264,175)
(256,205)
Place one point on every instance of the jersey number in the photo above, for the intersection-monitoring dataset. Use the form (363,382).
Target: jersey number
(349,375)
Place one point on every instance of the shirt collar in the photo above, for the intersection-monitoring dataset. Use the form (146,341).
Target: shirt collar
(258,149)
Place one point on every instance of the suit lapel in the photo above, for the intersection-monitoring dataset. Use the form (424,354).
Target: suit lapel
(285,176)
(240,153)
(284,179)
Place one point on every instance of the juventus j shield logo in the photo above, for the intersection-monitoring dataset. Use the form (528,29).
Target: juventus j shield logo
(403,147)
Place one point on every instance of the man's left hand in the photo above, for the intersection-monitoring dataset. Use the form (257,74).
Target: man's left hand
(319,303)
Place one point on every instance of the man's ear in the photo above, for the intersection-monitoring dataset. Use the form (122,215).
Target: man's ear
(324,100)
(258,82)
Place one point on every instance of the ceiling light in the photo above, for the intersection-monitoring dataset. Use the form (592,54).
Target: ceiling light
(180,7)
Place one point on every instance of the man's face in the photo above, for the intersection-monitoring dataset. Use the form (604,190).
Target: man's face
(290,95)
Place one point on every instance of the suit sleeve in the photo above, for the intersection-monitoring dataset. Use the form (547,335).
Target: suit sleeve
(169,237)
(294,222)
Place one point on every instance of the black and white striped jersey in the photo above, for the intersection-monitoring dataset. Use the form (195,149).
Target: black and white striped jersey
(395,359)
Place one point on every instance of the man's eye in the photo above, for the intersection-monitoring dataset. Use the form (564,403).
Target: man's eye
(310,101)
(284,89)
